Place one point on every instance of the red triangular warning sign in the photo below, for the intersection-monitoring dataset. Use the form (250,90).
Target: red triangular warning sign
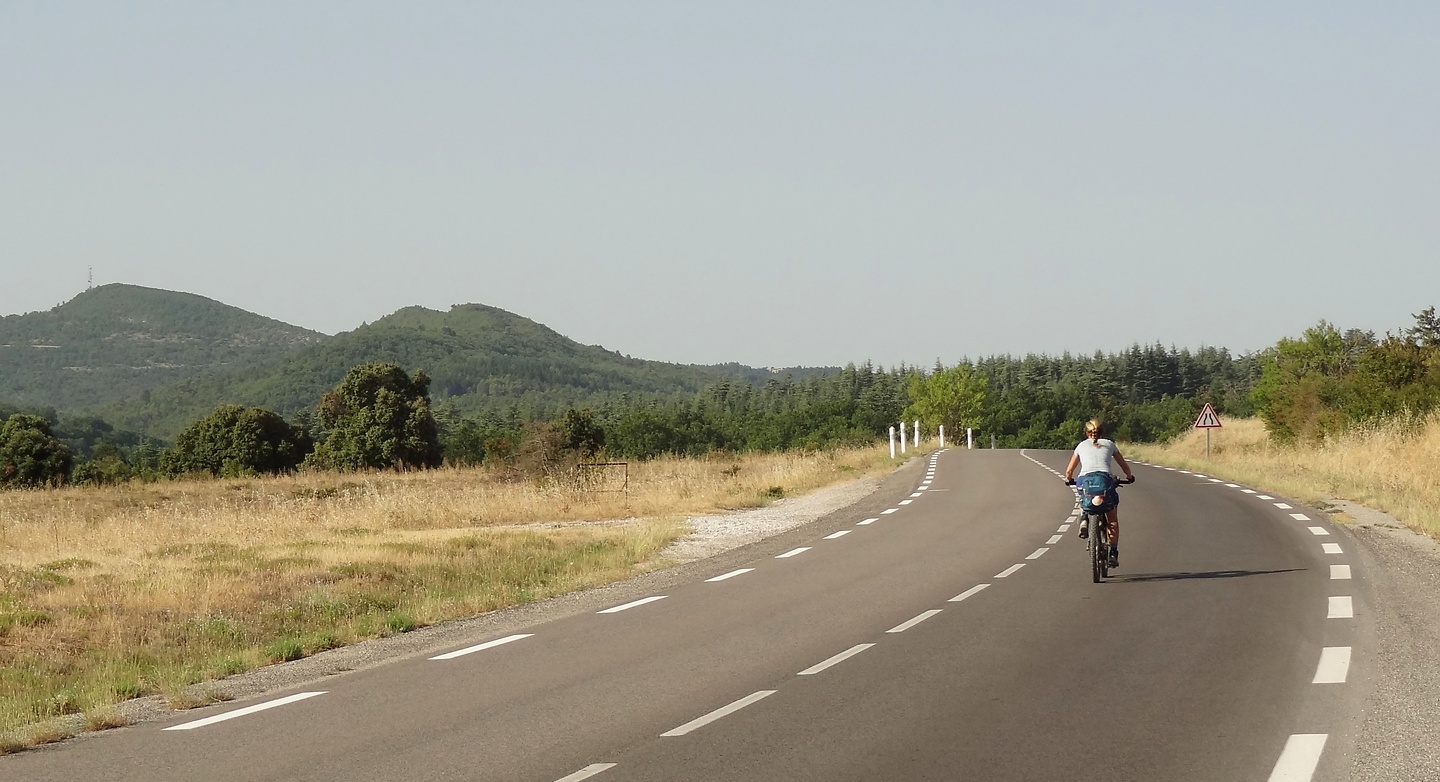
(1208,419)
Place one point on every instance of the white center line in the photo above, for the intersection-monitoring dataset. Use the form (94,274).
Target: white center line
(628,606)
(1299,517)
(230,715)
(1331,548)
(1054,539)
(1318,531)
(701,722)
(842,533)
(1342,608)
(1334,665)
(1038,553)
(742,571)
(482,647)
(888,511)
(794,552)
(1281,505)
(971,592)
(836,660)
(587,772)
(1009,571)
(1340,572)
(1301,755)
(867,522)
(900,628)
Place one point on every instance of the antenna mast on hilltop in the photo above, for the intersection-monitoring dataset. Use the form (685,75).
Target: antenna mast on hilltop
(90,279)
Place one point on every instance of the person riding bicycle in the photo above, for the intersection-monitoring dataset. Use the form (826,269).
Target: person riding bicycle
(1094,455)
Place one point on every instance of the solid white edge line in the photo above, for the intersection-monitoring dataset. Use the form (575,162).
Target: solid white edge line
(1039,552)
(1331,548)
(1299,758)
(1318,531)
(793,552)
(1009,571)
(1334,665)
(1341,607)
(1054,539)
(587,772)
(701,722)
(903,626)
(633,604)
(482,647)
(836,660)
(742,571)
(868,521)
(971,592)
(1339,572)
(842,533)
(230,715)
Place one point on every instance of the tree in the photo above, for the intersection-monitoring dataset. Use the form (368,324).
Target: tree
(30,455)
(581,433)
(378,418)
(235,440)
(1426,332)
(951,397)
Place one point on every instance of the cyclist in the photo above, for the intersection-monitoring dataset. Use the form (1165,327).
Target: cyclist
(1094,454)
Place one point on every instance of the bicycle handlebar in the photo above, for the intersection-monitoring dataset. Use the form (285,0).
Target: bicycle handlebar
(1118,482)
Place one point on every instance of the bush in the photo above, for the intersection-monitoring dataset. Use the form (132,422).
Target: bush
(30,455)
(378,418)
(235,440)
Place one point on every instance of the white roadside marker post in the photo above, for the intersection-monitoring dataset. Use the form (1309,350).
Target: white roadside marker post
(902,437)
(917,433)
(942,435)
(892,442)
(969,438)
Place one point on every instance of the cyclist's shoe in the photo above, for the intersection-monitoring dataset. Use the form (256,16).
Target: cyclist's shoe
(1114,557)
(1084,530)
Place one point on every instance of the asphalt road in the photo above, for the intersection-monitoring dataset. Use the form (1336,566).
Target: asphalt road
(852,660)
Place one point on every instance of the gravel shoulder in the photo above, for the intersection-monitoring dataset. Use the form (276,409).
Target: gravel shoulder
(1399,733)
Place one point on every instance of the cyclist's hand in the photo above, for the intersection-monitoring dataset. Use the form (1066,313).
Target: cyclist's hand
(1069,481)
(1129,479)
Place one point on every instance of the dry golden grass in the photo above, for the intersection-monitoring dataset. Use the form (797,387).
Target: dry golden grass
(1394,467)
(109,594)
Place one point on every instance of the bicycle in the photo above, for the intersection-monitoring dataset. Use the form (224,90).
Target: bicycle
(1097,542)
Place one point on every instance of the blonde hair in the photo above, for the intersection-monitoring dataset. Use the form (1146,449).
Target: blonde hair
(1094,427)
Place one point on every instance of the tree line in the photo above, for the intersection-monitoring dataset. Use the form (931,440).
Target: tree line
(382,417)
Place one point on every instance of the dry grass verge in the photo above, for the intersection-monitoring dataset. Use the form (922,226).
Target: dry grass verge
(1393,468)
(110,594)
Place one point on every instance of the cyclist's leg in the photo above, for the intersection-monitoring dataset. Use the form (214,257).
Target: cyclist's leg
(1112,524)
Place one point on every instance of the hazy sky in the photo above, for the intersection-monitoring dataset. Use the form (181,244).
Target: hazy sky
(770,183)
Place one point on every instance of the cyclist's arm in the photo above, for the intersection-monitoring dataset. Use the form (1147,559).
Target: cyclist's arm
(1124,465)
(1070,468)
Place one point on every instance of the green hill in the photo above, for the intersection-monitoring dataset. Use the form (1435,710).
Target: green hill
(122,341)
(476,356)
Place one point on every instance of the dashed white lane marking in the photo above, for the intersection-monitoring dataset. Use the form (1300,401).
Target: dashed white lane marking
(1282,505)
(1299,517)
(701,722)
(888,511)
(1232,485)
(742,571)
(1009,571)
(971,592)
(230,715)
(1216,480)
(587,772)
(1198,475)
(906,502)
(1038,553)
(1264,497)
(1339,572)
(868,522)
(902,627)
(1319,531)
(1184,472)
(1248,491)
(1054,539)
(842,533)
(794,552)
(1064,528)
(1334,665)
(836,660)
(1301,755)
(1341,607)
(482,647)
(642,601)
(916,494)
(1331,548)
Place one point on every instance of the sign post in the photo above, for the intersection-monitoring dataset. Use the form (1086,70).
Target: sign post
(1208,420)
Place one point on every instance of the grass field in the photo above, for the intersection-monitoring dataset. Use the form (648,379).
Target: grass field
(110,594)
(1394,468)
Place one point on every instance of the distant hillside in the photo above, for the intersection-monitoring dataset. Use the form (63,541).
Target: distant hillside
(476,356)
(122,341)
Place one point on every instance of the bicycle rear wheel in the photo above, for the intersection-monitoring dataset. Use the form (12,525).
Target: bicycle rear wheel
(1098,554)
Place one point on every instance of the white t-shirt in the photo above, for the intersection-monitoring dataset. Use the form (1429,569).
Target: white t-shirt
(1096,456)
